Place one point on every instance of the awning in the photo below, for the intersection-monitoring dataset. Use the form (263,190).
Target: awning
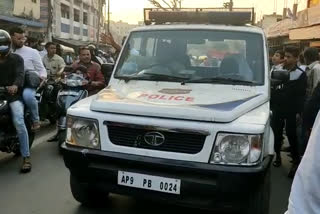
(22,21)
(71,42)
(306,33)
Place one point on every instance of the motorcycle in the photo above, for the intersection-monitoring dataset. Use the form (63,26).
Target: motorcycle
(73,90)
(9,141)
(46,95)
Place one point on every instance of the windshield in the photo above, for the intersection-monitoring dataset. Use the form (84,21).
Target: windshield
(193,56)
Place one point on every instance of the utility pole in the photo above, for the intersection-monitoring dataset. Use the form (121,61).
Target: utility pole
(99,21)
(108,29)
(231,5)
(50,18)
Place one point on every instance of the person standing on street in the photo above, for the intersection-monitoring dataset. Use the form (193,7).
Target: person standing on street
(34,67)
(311,56)
(277,60)
(287,101)
(12,76)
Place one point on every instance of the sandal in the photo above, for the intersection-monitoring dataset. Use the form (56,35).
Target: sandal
(26,165)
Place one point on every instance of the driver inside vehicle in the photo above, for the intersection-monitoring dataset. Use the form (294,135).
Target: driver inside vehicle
(170,60)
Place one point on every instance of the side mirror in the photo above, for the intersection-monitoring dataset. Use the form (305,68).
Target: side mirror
(106,70)
(279,77)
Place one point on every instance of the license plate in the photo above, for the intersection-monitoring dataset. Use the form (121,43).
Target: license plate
(155,183)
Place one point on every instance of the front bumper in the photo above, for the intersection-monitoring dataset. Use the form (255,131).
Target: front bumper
(203,185)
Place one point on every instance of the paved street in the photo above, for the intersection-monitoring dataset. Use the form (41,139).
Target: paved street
(46,189)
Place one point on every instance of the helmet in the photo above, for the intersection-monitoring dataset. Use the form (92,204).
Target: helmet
(5,43)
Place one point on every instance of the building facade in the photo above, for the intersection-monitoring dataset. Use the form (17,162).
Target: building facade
(25,13)
(120,29)
(76,20)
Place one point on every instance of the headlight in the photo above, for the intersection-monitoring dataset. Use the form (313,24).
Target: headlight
(83,132)
(237,149)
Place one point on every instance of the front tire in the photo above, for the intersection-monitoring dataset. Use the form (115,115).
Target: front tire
(259,200)
(62,134)
(86,194)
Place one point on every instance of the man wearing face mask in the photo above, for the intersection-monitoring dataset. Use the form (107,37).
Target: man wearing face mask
(12,76)
(34,66)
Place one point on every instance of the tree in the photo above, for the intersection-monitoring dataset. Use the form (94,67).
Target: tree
(164,4)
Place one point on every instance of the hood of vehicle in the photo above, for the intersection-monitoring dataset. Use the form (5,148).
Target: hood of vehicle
(202,102)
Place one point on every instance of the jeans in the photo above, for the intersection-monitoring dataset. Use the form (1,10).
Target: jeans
(17,111)
(29,98)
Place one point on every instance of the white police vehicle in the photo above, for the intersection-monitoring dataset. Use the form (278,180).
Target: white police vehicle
(171,128)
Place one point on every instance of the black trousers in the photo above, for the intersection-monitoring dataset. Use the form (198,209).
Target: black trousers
(278,122)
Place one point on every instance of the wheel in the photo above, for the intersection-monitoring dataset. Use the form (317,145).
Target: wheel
(259,200)
(61,138)
(86,194)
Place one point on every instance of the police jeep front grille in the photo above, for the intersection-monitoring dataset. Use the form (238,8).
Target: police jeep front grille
(146,137)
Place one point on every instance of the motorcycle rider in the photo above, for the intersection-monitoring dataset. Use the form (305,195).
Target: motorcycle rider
(95,76)
(12,76)
(33,64)
(53,62)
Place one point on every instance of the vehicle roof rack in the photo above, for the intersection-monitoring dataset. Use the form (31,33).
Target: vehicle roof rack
(238,16)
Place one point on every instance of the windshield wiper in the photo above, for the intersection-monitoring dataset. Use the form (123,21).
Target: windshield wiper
(152,76)
(219,80)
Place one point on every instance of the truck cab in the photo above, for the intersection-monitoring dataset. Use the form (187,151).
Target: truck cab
(174,126)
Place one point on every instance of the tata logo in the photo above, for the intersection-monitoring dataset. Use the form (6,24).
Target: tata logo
(154,138)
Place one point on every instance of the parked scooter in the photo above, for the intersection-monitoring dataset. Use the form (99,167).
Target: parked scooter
(9,141)
(73,89)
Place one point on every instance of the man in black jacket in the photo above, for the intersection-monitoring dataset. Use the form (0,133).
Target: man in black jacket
(287,102)
(12,77)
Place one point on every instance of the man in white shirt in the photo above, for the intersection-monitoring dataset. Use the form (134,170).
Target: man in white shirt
(305,192)
(32,63)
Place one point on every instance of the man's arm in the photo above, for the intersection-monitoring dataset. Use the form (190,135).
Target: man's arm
(19,72)
(98,81)
(62,64)
(316,76)
(38,65)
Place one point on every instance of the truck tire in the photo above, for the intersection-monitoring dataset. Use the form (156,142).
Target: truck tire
(62,134)
(86,194)
(259,200)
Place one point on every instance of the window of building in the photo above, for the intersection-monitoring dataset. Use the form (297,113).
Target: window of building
(85,32)
(85,18)
(76,30)
(76,15)
(65,28)
(65,11)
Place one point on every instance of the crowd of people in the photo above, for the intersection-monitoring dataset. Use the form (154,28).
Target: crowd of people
(23,70)
(292,102)
(295,104)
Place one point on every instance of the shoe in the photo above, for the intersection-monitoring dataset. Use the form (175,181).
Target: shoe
(286,149)
(53,138)
(277,162)
(35,126)
(292,171)
(45,122)
(26,165)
